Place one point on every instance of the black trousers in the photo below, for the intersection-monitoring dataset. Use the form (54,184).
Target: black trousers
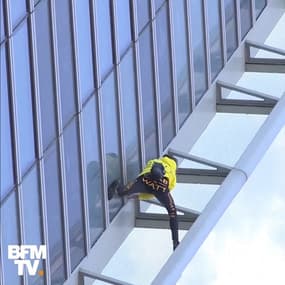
(163,196)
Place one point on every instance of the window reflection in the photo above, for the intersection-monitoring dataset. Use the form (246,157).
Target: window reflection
(259,6)
(18,11)
(165,80)
(231,26)
(214,27)
(198,47)
(148,94)
(55,217)
(32,216)
(130,118)
(124,24)
(65,59)
(103,21)
(84,47)
(6,143)
(9,235)
(2,32)
(143,13)
(181,59)
(23,97)
(74,194)
(93,170)
(45,72)
(245,16)
(111,136)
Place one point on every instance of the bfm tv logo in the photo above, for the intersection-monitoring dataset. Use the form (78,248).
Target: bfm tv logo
(27,256)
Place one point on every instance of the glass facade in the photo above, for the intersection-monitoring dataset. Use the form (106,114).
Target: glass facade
(91,88)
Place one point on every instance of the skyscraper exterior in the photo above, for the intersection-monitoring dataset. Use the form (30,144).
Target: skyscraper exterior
(90,90)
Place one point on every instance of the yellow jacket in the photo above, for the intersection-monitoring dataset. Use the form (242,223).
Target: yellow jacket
(170,173)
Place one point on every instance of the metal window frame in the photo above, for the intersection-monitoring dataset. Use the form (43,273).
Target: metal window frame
(156,77)
(251,106)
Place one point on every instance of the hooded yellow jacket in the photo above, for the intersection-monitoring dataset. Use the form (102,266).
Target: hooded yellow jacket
(170,172)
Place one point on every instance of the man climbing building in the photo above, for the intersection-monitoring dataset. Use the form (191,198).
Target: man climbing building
(157,179)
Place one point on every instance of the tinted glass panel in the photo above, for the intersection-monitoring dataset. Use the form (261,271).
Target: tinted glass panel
(245,15)
(158,3)
(124,24)
(130,118)
(32,216)
(103,19)
(9,235)
(148,95)
(198,45)
(7,176)
(18,10)
(55,218)
(231,26)
(65,58)
(165,84)
(181,59)
(84,47)
(23,97)
(143,13)
(2,32)
(45,72)
(215,37)
(74,194)
(259,6)
(111,132)
(93,170)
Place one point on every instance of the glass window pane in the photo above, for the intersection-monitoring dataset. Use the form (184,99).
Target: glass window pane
(2,32)
(23,97)
(93,170)
(73,192)
(198,45)
(181,59)
(148,95)
(111,136)
(130,118)
(158,3)
(103,19)
(45,72)
(259,6)
(164,71)
(245,16)
(124,25)
(84,46)
(18,10)
(55,217)
(65,59)
(215,37)
(231,26)
(143,13)
(9,235)
(7,174)
(32,216)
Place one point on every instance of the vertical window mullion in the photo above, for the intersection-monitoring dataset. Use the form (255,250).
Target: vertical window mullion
(207,42)
(173,69)
(157,89)
(223,28)
(190,56)
(238,21)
